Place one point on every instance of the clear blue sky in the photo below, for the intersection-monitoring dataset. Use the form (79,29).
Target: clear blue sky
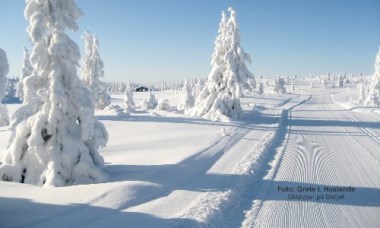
(156,40)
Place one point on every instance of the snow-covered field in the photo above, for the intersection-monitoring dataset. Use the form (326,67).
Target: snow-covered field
(269,169)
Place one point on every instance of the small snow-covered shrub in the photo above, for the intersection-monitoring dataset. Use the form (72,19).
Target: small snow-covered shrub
(280,86)
(198,87)
(292,89)
(152,101)
(112,107)
(163,104)
(340,81)
(251,85)
(144,105)
(128,100)
(187,100)
(116,110)
(324,83)
(311,83)
(260,89)
(363,91)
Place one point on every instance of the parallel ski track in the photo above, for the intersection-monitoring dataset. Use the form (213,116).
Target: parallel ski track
(220,209)
(369,133)
(315,160)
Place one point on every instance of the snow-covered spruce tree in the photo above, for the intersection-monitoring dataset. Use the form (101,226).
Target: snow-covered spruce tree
(373,97)
(198,87)
(311,83)
(187,100)
(92,70)
(56,143)
(152,101)
(238,74)
(10,94)
(363,90)
(4,69)
(324,83)
(219,100)
(26,71)
(292,89)
(260,89)
(128,99)
(340,81)
(280,85)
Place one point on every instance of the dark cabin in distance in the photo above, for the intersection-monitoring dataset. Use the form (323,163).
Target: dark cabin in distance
(141,89)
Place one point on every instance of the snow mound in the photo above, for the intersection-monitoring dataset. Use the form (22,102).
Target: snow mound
(163,104)
(116,110)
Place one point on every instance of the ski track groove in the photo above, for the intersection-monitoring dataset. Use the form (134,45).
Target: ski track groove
(252,213)
(356,159)
(318,160)
(369,133)
(202,158)
(359,160)
(216,209)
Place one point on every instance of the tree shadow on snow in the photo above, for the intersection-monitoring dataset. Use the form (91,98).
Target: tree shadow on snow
(189,174)
(17,212)
(250,120)
(361,196)
(332,123)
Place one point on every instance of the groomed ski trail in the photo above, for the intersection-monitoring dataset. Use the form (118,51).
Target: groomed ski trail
(226,208)
(327,147)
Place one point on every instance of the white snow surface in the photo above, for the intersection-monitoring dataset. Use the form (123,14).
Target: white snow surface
(167,169)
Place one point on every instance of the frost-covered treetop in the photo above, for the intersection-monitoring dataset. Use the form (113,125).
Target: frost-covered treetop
(99,62)
(4,69)
(229,57)
(47,21)
(235,56)
(66,12)
(219,49)
(26,71)
(86,66)
(377,65)
(26,66)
